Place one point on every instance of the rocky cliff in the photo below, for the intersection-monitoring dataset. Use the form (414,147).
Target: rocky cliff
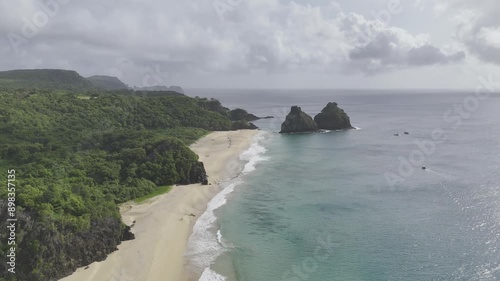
(333,118)
(241,114)
(298,122)
(56,252)
(198,174)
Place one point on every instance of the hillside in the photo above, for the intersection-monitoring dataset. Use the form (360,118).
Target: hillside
(69,80)
(107,82)
(44,79)
(77,158)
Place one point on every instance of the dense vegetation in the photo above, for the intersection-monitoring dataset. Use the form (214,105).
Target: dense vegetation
(77,157)
(107,82)
(44,79)
(58,79)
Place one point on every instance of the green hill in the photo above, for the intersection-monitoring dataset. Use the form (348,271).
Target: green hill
(107,82)
(54,79)
(77,158)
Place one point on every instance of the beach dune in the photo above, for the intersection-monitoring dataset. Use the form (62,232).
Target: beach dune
(162,225)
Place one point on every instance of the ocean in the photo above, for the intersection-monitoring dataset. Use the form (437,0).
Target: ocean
(357,205)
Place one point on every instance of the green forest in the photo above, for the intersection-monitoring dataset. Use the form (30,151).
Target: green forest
(78,156)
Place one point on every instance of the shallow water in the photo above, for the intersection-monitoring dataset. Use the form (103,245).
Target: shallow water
(319,206)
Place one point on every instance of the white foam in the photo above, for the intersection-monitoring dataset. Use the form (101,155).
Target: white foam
(205,244)
(219,237)
(210,275)
(253,155)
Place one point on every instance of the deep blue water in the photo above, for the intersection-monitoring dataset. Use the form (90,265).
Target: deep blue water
(321,208)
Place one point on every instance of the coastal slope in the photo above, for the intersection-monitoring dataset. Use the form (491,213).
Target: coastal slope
(162,226)
(298,121)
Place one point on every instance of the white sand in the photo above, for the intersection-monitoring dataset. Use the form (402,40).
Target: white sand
(163,225)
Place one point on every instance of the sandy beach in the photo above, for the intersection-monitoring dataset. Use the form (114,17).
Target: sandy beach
(162,225)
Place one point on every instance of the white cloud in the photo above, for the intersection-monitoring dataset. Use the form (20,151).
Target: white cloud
(377,48)
(490,36)
(440,8)
(272,36)
(477,27)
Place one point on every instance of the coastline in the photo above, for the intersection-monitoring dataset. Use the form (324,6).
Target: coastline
(163,225)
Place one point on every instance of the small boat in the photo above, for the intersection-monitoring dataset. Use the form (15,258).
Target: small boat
(424,168)
(396,134)
(406,133)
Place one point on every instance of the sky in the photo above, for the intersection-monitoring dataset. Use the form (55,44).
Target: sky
(361,44)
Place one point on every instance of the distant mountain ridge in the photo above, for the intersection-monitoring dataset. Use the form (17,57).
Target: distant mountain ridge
(59,79)
(107,82)
(44,79)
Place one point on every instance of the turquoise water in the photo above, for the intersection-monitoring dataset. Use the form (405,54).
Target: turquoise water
(319,207)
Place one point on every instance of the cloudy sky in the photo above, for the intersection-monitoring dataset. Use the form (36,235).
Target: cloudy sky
(258,43)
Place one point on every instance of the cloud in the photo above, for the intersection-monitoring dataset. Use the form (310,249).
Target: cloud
(490,36)
(97,37)
(427,55)
(376,47)
(477,27)
(484,42)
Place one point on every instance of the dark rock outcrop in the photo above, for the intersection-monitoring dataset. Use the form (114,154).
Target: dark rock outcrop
(68,248)
(298,122)
(127,234)
(333,118)
(198,174)
(241,114)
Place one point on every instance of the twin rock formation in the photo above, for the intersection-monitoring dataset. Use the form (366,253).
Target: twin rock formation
(331,118)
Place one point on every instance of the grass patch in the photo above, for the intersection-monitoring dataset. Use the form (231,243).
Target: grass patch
(159,191)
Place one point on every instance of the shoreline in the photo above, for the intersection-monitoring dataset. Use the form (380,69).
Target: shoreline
(163,225)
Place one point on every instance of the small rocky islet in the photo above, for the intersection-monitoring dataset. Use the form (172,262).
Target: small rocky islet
(330,118)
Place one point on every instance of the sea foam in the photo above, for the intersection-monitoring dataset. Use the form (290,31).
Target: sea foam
(219,237)
(205,243)
(210,275)
(253,155)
